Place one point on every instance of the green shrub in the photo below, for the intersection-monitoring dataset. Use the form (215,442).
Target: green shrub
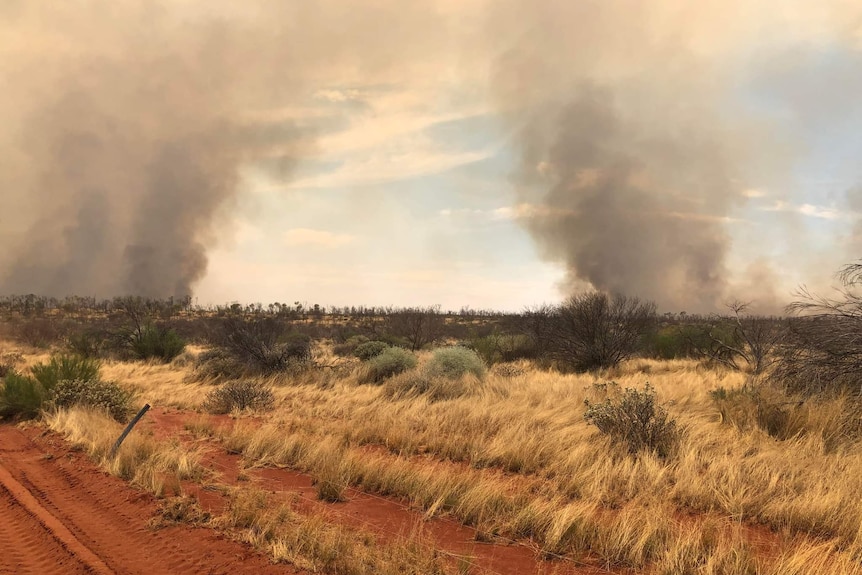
(105,395)
(157,342)
(454,363)
(240,394)
(392,361)
(636,421)
(65,367)
(369,349)
(20,396)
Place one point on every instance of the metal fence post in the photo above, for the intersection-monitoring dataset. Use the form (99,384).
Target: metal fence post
(129,427)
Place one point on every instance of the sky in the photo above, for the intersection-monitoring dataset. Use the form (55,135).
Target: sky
(492,155)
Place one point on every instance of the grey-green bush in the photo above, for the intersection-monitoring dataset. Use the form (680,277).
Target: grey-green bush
(104,395)
(454,363)
(348,347)
(369,349)
(240,394)
(392,361)
(636,421)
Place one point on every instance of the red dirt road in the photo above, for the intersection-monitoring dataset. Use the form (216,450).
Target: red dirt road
(60,514)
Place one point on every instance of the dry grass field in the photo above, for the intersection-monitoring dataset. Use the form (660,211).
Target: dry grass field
(510,456)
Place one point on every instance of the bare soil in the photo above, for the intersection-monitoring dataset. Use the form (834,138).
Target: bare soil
(60,514)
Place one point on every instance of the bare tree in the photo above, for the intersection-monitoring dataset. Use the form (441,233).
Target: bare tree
(824,352)
(262,346)
(740,339)
(418,325)
(595,330)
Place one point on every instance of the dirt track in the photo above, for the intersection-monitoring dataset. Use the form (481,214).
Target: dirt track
(59,514)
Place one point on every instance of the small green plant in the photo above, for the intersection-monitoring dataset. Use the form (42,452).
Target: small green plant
(20,396)
(104,395)
(454,363)
(392,361)
(369,349)
(635,420)
(63,367)
(157,342)
(240,394)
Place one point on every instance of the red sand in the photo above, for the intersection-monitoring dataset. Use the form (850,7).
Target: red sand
(60,514)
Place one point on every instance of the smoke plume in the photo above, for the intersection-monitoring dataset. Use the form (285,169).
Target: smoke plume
(637,144)
(127,125)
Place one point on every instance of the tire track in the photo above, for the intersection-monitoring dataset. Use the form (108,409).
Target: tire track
(100,522)
(49,522)
(28,547)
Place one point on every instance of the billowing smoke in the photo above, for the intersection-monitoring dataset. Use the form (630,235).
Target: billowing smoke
(638,139)
(643,127)
(127,124)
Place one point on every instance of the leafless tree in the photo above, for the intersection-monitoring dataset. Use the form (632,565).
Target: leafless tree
(824,352)
(418,325)
(595,330)
(740,339)
(262,346)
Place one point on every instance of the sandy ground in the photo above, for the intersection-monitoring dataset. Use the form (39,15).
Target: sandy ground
(60,514)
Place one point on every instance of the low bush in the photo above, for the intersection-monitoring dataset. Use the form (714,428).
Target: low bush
(636,421)
(349,346)
(20,396)
(63,367)
(218,364)
(783,416)
(157,342)
(239,395)
(369,349)
(40,332)
(497,348)
(8,361)
(104,395)
(392,361)
(454,363)
(87,344)
(262,345)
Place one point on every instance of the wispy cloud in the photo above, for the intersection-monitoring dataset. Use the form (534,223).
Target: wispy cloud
(811,210)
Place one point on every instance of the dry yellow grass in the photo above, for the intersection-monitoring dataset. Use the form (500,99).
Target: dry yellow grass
(515,457)
(141,460)
(532,426)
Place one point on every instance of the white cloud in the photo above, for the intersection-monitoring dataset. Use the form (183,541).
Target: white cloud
(810,210)
(320,238)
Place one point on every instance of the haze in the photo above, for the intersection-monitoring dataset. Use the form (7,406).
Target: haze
(492,155)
